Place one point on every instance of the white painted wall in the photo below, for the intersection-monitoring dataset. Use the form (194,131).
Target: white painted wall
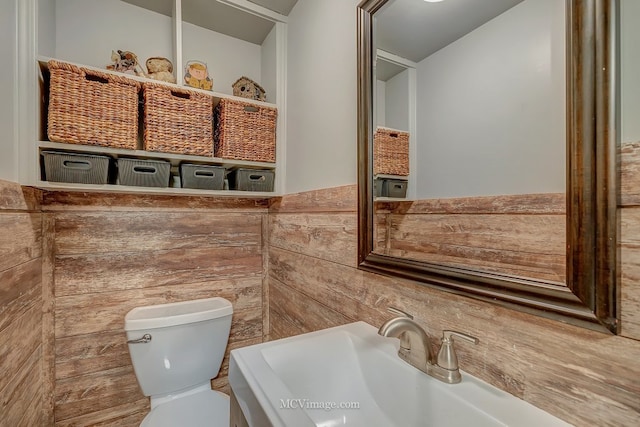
(321,95)
(227,58)
(47,27)
(8,154)
(491,108)
(380,103)
(321,145)
(268,63)
(321,129)
(397,101)
(88,30)
(630,70)
(46,43)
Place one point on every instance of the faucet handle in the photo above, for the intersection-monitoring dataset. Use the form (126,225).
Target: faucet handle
(447,357)
(399,312)
(448,335)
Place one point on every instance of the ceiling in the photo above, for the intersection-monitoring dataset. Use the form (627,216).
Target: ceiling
(222,18)
(414,29)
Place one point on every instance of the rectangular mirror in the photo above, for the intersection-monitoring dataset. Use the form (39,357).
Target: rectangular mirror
(511,184)
(479,90)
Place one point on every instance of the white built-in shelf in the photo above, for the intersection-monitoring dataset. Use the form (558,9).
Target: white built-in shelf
(175,159)
(241,19)
(386,176)
(44,68)
(167,191)
(233,26)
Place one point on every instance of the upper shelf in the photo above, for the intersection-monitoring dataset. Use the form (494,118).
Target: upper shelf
(228,17)
(174,159)
(44,68)
(155,30)
(181,31)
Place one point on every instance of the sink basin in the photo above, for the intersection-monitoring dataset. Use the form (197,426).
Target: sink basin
(351,376)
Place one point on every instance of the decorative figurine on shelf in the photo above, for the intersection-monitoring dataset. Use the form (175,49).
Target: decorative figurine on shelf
(159,68)
(196,75)
(125,62)
(247,88)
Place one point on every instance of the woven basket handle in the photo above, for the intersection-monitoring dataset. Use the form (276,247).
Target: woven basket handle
(251,109)
(96,78)
(100,77)
(393,135)
(180,94)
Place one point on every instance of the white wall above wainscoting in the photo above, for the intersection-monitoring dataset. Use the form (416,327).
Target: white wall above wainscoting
(8,155)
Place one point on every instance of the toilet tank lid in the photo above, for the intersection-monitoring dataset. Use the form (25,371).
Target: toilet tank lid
(176,313)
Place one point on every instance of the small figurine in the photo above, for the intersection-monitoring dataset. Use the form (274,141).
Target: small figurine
(196,75)
(125,62)
(160,69)
(247,88)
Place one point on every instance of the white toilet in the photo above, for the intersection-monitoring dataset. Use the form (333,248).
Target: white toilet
(176,350)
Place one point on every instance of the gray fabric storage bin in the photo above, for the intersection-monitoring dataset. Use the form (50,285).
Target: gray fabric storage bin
(385,187)
(203,177)
(76,168)
(144,173)
(251,179)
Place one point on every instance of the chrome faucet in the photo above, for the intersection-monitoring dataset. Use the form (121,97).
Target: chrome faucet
(444,367)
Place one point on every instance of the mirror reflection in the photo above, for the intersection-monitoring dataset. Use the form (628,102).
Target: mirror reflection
(478,89)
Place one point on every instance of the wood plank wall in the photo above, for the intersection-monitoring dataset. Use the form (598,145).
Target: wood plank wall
(499,234)
(629,214)
(107,254)
(21,305)
(586,378)
(73,264)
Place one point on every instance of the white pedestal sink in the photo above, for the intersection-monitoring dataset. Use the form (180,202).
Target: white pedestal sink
(351,376)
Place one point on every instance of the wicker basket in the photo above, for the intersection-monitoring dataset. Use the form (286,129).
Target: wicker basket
(245,131)
(91,107)
(390,152)
(177,120)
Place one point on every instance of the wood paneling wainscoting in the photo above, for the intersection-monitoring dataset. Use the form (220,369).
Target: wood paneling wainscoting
(629,214)
(107,254)
(586,378)
(21,306)
(514,235)
(73,264)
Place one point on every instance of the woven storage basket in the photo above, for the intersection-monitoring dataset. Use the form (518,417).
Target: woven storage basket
(390,152)
(91,107)
(245,131)
(177,120)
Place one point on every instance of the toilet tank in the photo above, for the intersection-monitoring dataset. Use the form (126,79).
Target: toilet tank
(186,347)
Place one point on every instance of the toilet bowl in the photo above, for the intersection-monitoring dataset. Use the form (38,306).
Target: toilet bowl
(176,349)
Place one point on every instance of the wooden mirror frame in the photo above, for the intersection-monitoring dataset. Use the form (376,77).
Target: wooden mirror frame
(591,297)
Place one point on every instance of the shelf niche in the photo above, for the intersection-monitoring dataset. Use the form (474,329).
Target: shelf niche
(84,32)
